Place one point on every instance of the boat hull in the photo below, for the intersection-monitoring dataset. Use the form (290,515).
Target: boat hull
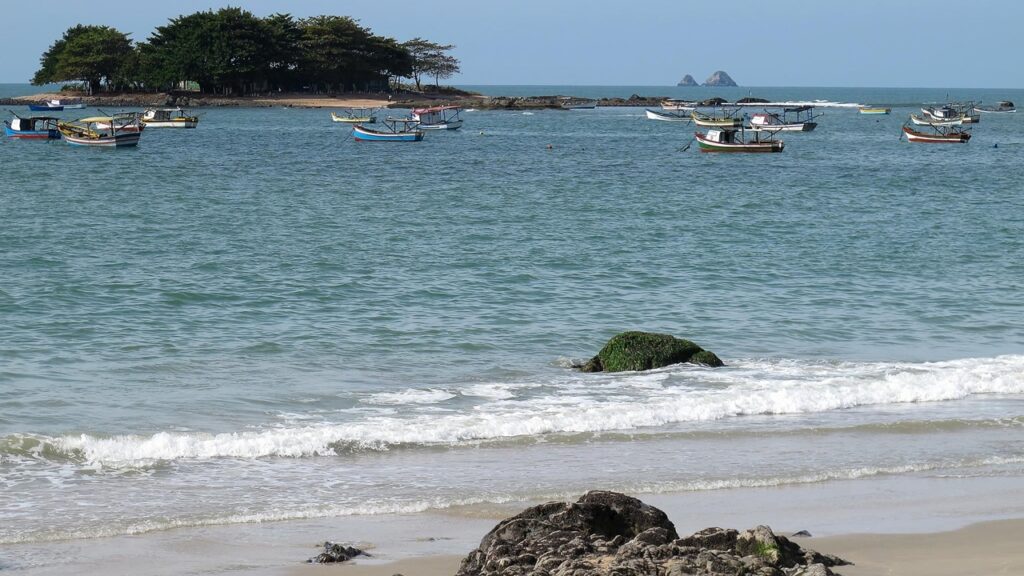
(799,127)
(454,125)
(666,117)
(192,123)
(922,121)
(748,147)
(875,110)
(122,140)
(362,134)
(30,134)
(924,138)
(354,119)
(717,122)
(45,108)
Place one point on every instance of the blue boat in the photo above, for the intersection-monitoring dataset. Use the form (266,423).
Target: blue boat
(33,127)
(398,130)
(45,108)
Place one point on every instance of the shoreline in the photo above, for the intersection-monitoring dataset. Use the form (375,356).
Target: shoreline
(301,100)
(895,522)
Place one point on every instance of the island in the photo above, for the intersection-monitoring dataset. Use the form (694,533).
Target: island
(687,81)
(720,78)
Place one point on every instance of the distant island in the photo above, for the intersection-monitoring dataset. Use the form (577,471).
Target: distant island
(687,81)
(719,78)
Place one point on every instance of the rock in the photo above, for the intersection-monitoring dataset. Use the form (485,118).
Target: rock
(716,101)
(610,534)
(646,350)
(334,552)
(800,534)
(719,78)
(751,100)
(687,81)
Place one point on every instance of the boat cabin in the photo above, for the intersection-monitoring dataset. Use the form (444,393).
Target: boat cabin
(33,123)
(722,136)
(437,114)
(163,114)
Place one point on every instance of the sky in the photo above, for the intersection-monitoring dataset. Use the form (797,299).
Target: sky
(862,43)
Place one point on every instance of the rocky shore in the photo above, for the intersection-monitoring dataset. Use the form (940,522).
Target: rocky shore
(401,100)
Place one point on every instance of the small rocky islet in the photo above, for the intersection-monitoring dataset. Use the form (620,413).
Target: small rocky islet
(634,351)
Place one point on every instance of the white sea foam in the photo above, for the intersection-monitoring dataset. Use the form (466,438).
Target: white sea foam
(411,396)
(584,403)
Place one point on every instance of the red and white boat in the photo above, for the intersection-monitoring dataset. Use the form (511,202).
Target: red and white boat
(734,141)
(939,135)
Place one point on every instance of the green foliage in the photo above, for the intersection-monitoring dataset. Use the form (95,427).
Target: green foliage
(231,51)
(431,59)
(645,350)
(767,550)
(91,54)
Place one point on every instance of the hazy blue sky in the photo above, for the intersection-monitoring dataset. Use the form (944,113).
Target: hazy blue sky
(898,43)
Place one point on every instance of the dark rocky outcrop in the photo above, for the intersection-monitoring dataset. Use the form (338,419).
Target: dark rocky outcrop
(334,552)
(687,81)
(716,101)
(751,100)
(719,78)
(645,350)
(611,534)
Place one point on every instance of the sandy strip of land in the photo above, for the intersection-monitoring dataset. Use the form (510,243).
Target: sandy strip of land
(990,548)
(297,100)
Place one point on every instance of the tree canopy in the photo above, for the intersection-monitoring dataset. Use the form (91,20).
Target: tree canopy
(231,51)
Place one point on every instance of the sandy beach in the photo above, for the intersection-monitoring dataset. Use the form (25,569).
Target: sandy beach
(987,548)
(887,527)
(294,100)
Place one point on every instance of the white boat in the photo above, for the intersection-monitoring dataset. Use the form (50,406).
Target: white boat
(953,111)
(438,118)
(86,132)
(674,105)
(799,119)
(168,118)
(667,116)
(1003,107)
(66,105)
(928,121)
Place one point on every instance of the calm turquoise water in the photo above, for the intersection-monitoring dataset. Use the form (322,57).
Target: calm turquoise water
(263,319)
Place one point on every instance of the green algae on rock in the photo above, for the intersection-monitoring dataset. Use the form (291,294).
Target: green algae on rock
(631,351)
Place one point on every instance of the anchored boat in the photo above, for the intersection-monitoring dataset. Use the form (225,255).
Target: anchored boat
(395,130)
(964,111)
(729,140)
(1003,106)
(570,103)
(438,118)
(355,116)
(168,118)
(728,120)
(32,128)
(798,119)
(874,110)
(930,121)
(667,116)
(119,133)
(938,135)
(675,105)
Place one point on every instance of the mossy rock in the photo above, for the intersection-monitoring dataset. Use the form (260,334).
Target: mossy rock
(632,351)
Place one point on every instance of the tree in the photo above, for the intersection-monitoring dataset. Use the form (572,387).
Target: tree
(86,53)
(430,59)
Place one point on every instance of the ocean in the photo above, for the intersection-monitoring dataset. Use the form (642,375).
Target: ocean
(263,320)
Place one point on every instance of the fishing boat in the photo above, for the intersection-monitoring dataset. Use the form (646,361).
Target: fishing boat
(66,105)
(675,105)
(570,103)
(716,121)
(125,121)
(438,118)
(46,107)
(395,130)
(874,110)
(962,110)
(168,118)
(86,132)
(929,121)
(667,116)
(728,140)
(938,135)
(32,128)
(1003,106)
(355,116)
(797,119)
